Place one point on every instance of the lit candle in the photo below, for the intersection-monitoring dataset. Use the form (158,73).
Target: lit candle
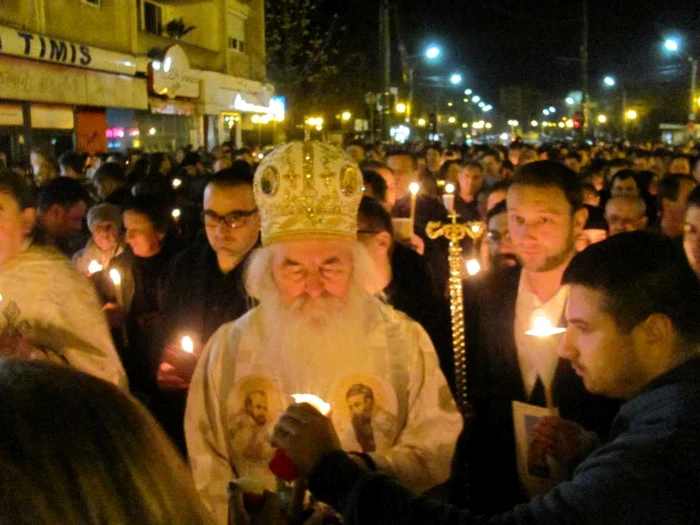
(117,280)
(280,464)
(448,199)
(473,267)
(177,183)
(414,188)
(315,401)
(94,267)
(176,214)
(542,327)
(187,344)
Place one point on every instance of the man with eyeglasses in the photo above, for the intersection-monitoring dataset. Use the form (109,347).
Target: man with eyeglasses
(204,287)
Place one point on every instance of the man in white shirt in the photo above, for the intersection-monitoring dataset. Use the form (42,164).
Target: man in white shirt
(545,213)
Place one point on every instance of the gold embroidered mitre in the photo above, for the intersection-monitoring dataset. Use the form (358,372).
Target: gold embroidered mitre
(307,190)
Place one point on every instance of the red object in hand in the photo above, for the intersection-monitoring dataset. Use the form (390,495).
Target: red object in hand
(283,467)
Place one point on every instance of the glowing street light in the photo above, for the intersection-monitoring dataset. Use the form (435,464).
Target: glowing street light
(552,109)
(482,104)
(487,108)
(345,116)
(432,52)
(570,101)
(451,120)
(476,98)
(631,114)
(545,112)
(468,92)
(401,107)
(609,81)
(534,123)
(455,79)
(602,119)
(421,122)
(671,44)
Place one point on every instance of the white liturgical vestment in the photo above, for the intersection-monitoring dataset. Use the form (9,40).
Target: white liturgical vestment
(49,303)
(239,390)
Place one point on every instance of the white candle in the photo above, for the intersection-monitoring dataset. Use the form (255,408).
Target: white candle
(448,199)
(177,183)
(315,401)
(414,188)
(94,267)
(117,280)
(176,214)
(187,344)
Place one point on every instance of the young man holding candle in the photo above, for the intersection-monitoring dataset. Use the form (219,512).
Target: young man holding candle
(204,288)
(49,310)
(318,330)
(545,214)
(633,334)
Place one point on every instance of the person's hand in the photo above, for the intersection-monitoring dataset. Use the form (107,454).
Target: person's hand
(114,314)
(562,439)
(176,368)
(305,435)
(260,509)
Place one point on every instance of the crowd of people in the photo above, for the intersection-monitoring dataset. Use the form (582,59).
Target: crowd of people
(210,288)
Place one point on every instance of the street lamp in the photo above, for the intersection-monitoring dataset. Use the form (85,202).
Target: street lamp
(455,79)
(476,98)
(602,119)
(345,116)
(487,108)
(672,45)
(401,108)
(468,92)
(610,81)
(569,101)
(631,114)
(432,52)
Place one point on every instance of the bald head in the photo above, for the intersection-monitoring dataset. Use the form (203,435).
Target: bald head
(625,213)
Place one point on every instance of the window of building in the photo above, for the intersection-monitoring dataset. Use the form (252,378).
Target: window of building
(150,17)
(235,27)
(94,3)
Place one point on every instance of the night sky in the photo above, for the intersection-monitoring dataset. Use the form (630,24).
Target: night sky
(495,43)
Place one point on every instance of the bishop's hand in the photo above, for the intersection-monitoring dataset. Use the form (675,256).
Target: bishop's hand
(305,435)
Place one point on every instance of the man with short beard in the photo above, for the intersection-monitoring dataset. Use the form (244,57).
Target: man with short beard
(545,213)
(317,331)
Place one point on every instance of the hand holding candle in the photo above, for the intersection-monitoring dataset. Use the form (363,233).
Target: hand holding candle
(304,434)
(177,365)
(116,278)
(176,213)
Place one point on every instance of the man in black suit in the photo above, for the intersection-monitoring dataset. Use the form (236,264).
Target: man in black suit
(545,213)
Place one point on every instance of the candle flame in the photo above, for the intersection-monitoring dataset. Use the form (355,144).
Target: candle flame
(115,276)
(414,188)
(94,267)
(473,267)
(315,401)
(177,183)
(542,327)
(176,213)
(450,188)
(187,344)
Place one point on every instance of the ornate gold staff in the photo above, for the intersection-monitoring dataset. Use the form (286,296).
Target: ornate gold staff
(454,233)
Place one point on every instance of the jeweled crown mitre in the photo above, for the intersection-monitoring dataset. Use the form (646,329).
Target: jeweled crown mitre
(307,190)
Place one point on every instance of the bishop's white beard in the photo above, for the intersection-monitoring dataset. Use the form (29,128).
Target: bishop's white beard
(314,339)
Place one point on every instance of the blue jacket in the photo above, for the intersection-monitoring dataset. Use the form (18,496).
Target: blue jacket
(647,473)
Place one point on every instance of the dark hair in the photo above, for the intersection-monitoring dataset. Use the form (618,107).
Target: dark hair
(433,145)
(63,191)
(73,160)
(110,171)
(473,164)
(359,388)
(239,174)
(79,450)
(401,153)
(373,213)
(15,186)
(596,219)
(551,174)
(376,183)
(639,274)
(625,175)
(694,198)
(496,210)
(154,164)
(446,167)
(670,185)
(191,159)
(587,186)
(153,208)
(373,165)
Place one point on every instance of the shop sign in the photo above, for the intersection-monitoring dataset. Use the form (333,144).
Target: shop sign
(276,107)
(33,46)
(172,75)
(11,115)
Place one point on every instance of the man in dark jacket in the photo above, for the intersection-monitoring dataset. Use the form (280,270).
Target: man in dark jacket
(634,334)
(204,288)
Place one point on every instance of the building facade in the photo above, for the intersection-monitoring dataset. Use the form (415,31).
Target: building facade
(95,75)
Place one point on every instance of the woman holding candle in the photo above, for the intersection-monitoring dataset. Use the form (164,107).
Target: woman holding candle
(106,241)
